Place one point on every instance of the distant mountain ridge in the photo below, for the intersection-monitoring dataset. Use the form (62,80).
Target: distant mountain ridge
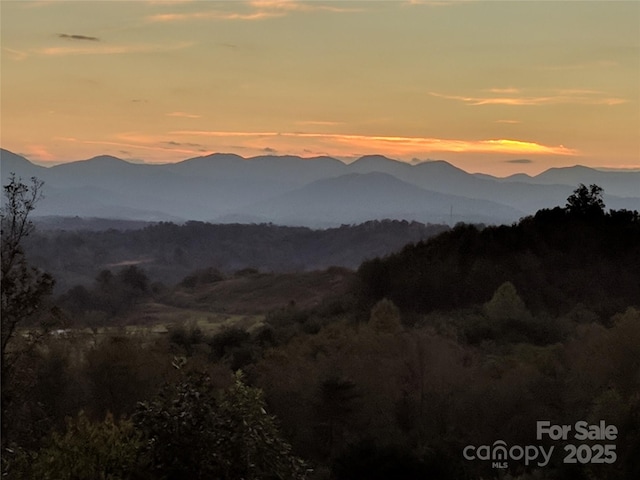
(316,192)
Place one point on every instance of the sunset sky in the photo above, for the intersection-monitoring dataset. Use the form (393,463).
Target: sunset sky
(494,87)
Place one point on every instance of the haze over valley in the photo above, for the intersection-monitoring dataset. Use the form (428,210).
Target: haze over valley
(317,192)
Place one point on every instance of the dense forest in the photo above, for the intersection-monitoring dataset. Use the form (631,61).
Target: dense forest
(469,337)
(168,252)
(557,259)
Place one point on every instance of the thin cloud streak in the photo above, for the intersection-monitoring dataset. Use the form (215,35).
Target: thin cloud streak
(183,115)
(111,49)
(78,37)
(127,145)
(577,97)
(504,90)
(294,5)
(318,122)
(39,152)
(258,10)
(403,145)
(15,54)
(212,15)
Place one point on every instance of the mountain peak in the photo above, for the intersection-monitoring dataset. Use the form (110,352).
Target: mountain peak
(374,159)
(222,156)
(8,156)
(440,166)
(14,163)
(105,159)
(574,168)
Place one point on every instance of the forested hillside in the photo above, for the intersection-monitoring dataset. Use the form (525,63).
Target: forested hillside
(557,259)
(168,252)
(469,338)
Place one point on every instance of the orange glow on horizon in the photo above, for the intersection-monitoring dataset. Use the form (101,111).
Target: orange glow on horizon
(397,145)
(160,81)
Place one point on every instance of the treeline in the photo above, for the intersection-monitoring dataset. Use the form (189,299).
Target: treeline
(111,294)
(168,252)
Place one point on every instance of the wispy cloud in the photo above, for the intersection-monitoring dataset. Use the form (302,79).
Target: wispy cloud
(396,144)
(318,122)
(252,10)
(164,147)
(157,147)
(78,37)
(183,115)
(100,49)
(521,161)
(515,97)
(295,5)
(212,15)
(173,143)
(38,152)
(504,90)
(15,54)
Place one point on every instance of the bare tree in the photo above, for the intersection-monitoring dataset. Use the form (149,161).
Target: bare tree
(23,287)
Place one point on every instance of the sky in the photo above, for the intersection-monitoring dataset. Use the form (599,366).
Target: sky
(498,87)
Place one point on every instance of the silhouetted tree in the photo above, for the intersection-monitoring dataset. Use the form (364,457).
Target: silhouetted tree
(586,201)
(23,286)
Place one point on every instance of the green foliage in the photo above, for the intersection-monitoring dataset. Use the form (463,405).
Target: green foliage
(252,447)
(107,450)
(506,304)
(194,432)
(180,428)
(385,317)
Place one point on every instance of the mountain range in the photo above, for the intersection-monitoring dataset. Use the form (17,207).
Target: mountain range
(316,192)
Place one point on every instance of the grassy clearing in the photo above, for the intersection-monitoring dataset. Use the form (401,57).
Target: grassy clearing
(260,293)
(242,301)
